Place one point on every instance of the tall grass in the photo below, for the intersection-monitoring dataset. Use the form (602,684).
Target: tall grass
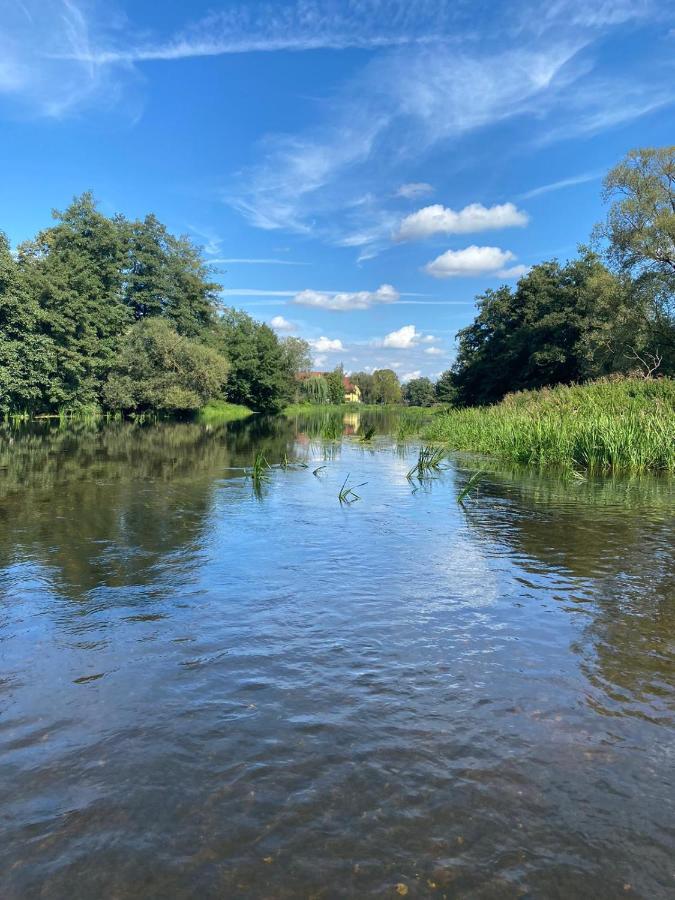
(216,412)
(622,425)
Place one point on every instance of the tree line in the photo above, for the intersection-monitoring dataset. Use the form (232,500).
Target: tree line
(101,311)
(113,313)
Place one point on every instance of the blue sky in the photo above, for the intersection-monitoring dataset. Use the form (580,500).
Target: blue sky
(357,170)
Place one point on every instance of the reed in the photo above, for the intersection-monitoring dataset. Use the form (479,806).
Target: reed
(428,462)
(473,482)
(625,425)
(348,495)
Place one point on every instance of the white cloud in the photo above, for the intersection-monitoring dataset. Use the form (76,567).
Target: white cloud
(469,262)
(433,351)
(344,302)
(405,337)
(414,189)
(439,219)
(514,272)
(326,345)
(278,323)
(409,376)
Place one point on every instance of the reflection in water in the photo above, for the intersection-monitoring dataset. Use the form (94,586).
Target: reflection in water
(207,695)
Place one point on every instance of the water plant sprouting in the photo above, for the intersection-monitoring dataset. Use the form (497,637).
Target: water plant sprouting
(428,461)
(347,494)
(473,482)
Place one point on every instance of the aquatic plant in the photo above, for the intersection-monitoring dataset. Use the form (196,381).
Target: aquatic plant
(368,434)
(429,460)
(473,482)
(347,494)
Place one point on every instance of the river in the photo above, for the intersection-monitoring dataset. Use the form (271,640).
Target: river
(214,691)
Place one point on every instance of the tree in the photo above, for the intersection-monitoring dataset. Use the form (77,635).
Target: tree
(166,276)
(366,384)
(386,386)
(336,386)
(640,224)
(560,324)
(446,390)
(315,389)
(419,392)
(296,355)
(159,369)
(27,357)
(640,234)
(74,271)
(259,376)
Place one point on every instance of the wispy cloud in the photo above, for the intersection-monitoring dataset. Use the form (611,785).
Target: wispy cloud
(35,36)
(256,262)
(303,25)
(584,178)
(414,190)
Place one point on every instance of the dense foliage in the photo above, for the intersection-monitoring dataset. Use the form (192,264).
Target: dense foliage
(158,368)
(419,392)
(76,305)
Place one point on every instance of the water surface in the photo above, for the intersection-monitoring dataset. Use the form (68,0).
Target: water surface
(210,692)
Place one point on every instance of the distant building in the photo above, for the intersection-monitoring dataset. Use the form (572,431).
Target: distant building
(352,391)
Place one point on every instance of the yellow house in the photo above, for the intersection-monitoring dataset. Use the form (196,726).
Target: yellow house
(352,391)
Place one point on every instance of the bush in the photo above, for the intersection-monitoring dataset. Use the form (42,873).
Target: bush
(157,368)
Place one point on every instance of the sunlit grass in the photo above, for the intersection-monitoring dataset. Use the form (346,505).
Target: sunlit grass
(218,411)
(623,425)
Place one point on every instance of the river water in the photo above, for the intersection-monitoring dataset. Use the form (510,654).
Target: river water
(211,691)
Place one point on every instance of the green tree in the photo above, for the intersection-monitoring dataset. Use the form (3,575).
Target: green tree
(166,276)
(419,392)
(640,234)
(296,355)
(560,324)
(74,272)
(27,357)
(336,386)
(259,376)
(366,383)
(446,390)
(315,389)
(159,369)
(386,386)
(640,224)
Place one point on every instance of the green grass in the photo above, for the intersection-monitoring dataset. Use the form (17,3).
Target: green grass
(217,411)
(617,425)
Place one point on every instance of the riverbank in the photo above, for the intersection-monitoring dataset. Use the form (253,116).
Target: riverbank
(219,411)
(625,425)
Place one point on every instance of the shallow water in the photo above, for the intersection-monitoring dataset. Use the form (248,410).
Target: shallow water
(208,692)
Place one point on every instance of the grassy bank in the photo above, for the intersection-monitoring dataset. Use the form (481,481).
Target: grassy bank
(625,425)
(219,411)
